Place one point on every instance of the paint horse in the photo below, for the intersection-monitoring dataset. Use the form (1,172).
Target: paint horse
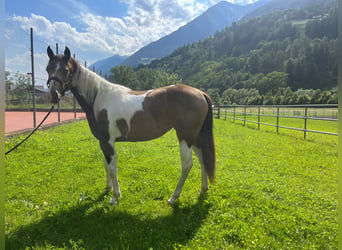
(117,113)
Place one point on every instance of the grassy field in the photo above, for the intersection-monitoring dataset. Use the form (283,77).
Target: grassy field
(272,192)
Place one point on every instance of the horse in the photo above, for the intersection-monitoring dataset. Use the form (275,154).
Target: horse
(116,113)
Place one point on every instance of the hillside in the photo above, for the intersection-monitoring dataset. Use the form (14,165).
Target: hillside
(288,48)
(275,5)
(214,19)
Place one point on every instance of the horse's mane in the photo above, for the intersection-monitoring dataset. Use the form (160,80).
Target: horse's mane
(88,82)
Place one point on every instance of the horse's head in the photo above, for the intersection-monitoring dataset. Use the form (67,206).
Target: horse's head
(60,70)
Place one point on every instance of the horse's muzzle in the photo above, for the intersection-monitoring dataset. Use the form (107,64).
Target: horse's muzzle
(53,98)
(55,92)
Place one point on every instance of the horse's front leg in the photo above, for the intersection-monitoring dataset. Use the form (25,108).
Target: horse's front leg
(111,170)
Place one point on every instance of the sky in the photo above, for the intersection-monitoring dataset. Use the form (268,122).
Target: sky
(92,29)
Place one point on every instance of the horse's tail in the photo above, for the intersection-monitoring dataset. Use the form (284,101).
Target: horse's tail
(207,145)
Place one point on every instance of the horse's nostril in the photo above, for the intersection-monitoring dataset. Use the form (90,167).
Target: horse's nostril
(53,98)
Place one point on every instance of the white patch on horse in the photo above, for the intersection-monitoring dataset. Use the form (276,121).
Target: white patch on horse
(121,105)
(58,66)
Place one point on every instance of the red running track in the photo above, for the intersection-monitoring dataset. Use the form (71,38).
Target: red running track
(18,122)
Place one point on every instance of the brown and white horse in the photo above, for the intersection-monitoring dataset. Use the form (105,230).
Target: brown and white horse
(116,113)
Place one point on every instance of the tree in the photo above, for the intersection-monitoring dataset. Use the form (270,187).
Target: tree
(272,82)
(278,99)
(268,99)
(240,96)
(165,79)
(333,99)
(254,63)
(315,99)
(123,75)
(289,69)
(23,87)
(255,100)
(8,87)
(214,95)
(304,99)
(325,97)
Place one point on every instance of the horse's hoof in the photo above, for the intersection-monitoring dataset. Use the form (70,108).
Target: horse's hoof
(203,191)
(113,202)
(106,191)
(171,201)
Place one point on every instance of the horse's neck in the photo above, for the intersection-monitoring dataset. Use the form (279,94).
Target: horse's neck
(84,88)
(87,85)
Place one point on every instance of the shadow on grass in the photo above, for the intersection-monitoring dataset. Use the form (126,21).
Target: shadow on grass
(91,226)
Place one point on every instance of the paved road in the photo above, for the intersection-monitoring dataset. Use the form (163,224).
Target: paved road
(17,122)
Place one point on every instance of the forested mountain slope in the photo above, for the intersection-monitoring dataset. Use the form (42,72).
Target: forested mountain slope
(287,48)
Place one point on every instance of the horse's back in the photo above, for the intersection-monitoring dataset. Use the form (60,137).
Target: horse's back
(182,107)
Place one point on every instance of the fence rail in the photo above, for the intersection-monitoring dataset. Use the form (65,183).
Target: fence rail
(279,116)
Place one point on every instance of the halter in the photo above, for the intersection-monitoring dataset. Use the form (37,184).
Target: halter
(65,86)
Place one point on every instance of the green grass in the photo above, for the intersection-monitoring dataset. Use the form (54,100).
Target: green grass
(272,191)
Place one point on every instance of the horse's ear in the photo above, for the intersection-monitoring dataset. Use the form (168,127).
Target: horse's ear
(50,53)
(67,54)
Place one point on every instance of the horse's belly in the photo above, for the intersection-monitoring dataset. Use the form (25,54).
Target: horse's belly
(143,133)
(141,127)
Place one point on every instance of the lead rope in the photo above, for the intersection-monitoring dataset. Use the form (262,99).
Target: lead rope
(9,151)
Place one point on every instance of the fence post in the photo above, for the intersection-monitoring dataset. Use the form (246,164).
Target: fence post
(259,118)
(233,114)
(33,84)
(244,116)
(218,112)
(277,120)
(305,121)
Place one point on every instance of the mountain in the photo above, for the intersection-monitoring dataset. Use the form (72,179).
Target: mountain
(288,48)
(274,5)
(214,19)
(103,67)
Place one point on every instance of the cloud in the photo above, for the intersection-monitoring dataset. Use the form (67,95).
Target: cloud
(145,22)
(22,64)
(100,36)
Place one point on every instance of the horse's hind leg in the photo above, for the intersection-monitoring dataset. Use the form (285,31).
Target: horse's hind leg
(205,186)
(186,157)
